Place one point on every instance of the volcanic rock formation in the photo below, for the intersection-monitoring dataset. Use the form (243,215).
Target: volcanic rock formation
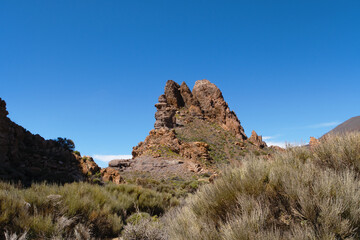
(204,102)
(30,158)
(257,140)
(196,125)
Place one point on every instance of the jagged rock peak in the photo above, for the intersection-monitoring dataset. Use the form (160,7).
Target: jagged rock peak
(257,140)
(205,101)
(172,94)
(213,105)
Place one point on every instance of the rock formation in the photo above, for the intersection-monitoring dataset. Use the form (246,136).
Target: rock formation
(204,102)
(197,125)
(215,108)
(111,175)
(257,140)
(313,142)
(30,158)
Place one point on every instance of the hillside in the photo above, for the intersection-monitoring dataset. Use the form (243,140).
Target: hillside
(350,125)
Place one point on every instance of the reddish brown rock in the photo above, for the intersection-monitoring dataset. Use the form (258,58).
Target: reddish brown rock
(172,94)
(198,151)
(257,140)
(165,114)
(215,108)
(313,142)
(87,165)
(111,175)
(187,96)
(158,143)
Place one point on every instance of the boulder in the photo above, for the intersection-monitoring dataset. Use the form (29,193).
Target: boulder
(120,163)
(111,175)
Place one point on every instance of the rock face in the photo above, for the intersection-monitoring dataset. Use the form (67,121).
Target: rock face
(257,140)
(26,157)
(204,102)
(215,108)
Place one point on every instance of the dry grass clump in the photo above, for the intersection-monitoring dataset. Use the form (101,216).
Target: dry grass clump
(301,193)
(76,210)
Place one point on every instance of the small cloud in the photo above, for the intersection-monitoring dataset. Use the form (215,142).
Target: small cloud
(323,125)
(108,158)
(267,137)
(271,137)
(279,144)
(283,144)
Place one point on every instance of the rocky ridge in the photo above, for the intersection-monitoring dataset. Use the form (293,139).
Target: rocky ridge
(27,157)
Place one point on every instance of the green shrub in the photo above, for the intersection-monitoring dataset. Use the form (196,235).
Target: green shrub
(100,209)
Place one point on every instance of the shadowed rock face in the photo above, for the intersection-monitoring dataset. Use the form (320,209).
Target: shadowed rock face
(26,157)
(204,102)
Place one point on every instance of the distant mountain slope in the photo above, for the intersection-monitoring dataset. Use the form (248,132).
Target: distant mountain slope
(351,125)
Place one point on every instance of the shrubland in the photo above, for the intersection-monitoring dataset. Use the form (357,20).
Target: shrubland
(300,193)
(76,210)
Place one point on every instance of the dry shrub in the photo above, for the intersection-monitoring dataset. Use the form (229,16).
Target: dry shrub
(75,210)
(301,193)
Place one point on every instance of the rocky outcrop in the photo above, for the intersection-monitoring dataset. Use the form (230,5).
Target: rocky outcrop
(87,165)
(111,175)
(313,142)
(164,143)
(30,158)
(204,102)
(257,140)
(158,143)
(120,163)
(215,108)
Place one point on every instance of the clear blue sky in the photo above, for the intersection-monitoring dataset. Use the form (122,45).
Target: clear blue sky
(93,70)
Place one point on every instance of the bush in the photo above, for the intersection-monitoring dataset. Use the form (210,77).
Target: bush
(145,229)
(65,143)
(301,193)
(47,211)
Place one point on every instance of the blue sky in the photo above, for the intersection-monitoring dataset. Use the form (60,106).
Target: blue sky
(93,70)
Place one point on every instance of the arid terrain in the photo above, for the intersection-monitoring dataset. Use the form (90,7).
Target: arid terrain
(195,176)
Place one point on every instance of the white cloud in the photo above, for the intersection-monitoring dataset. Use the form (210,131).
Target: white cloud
(108,158)
(283,144)
(279,144)
(325,124)
(267,137)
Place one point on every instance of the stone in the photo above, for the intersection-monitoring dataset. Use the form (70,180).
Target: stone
(313,142)
(215,108)
(111,175)
(257,140)
(172,94)
(120,163)
(187,96)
